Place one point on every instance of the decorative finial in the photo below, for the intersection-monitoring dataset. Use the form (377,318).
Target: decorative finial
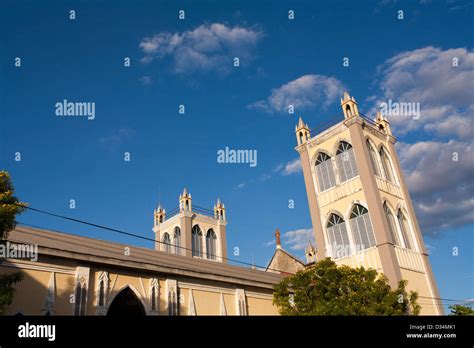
(277,235)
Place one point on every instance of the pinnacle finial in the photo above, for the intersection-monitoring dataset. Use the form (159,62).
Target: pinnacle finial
(346,96)
(277,237)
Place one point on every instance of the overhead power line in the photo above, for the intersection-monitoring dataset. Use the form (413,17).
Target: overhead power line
(136,235)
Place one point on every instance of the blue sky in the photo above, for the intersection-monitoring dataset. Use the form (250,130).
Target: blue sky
(190,62)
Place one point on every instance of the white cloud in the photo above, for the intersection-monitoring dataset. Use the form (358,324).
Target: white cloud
(292,167)
(207,47)
(305,92)
(270,243)
(441,188)
(117,138)
(146,80)
(427,76)
(298,239)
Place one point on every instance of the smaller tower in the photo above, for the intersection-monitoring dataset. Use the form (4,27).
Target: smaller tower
(185,201)
(302,132)
(349,106)
(219,210)
(310,253)
(160,215)
(382,123)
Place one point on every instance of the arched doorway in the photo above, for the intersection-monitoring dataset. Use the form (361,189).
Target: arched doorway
(126,304)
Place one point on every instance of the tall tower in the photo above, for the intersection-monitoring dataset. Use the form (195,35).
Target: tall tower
(360,208)
(192,231)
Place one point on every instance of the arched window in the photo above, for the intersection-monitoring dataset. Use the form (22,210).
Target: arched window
(80,299)
(338,237)
(196,241)
(211,244)
(177,241)
(404,228)
(153,299)
(301,137)
(154,294)
(345,161)
(373,158)
(386,166)
(325,172)
(361,228)
(391,224)
(166,242)
(348,111)
(101,293)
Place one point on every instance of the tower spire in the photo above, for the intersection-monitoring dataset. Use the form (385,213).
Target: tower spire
(302,132)
(349,106)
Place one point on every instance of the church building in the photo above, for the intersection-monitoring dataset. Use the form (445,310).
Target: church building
(360,209)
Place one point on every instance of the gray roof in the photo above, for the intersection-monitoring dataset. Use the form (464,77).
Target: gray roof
(89,250)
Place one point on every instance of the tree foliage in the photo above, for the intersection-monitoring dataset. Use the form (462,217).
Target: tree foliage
(10,207)
(461,310)
(327,289)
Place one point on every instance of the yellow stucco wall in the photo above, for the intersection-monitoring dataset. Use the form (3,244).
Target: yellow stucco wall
(260,306)
(31,292)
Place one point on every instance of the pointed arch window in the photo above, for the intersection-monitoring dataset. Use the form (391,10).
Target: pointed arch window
(101,293)
(196,241)
(345,161)
(361,227)
(177,240)
(153,299)
(404,229)
(166,242)
(211,239)
(373,158)
(80,298)
(391,224)
(338,237)
(386,166)
(154,294)
(325,172)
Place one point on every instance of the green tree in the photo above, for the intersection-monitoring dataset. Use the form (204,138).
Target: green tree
(327,289)
(10,207)
(461,310)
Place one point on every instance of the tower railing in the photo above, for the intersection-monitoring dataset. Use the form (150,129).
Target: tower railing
(321,127)
(196,209)
(203,211)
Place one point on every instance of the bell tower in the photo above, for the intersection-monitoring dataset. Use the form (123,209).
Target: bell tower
(360,207)
(192,231)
